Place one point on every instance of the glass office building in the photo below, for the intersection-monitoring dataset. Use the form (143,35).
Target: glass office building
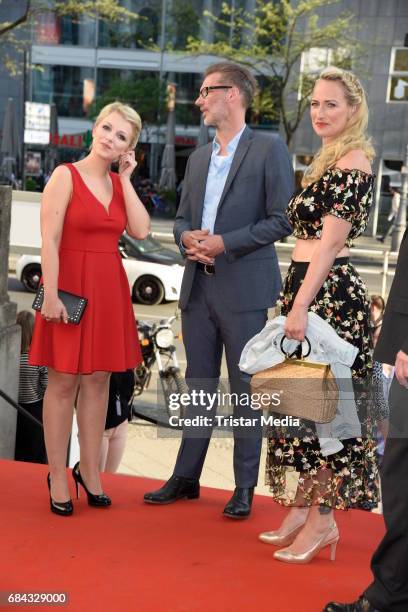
(81,60)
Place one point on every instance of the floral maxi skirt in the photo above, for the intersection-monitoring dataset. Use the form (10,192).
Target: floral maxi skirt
(296,471)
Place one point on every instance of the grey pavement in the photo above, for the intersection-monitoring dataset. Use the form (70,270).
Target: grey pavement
(150,456)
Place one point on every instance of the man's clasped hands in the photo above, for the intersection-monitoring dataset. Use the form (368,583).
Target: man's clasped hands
(201,246)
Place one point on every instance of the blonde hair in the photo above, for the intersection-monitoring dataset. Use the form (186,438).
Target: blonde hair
(128,113)
(354,136)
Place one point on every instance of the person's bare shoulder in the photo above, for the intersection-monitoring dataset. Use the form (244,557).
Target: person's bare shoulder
(57,192)
(61,174)
(354,160)
(60,181)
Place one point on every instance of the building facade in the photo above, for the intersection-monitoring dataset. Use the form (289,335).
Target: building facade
(383,69)
(81,61)
(84,60)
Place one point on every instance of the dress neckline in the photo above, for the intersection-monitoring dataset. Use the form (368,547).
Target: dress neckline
(106,208)
(369,175)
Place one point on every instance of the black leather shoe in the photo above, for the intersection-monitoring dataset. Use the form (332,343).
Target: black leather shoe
(361,605)
(177,487)
(239,506)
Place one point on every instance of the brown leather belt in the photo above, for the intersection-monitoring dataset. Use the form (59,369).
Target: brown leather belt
(208,269)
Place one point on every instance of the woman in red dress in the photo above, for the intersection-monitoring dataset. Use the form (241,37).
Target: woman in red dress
(85,208)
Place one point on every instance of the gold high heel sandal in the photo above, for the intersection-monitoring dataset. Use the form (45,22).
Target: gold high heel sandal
(276,539)
(330,538)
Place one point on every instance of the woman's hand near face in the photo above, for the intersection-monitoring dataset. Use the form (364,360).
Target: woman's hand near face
(127,164)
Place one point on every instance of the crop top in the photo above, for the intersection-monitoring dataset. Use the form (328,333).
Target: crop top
(347,194)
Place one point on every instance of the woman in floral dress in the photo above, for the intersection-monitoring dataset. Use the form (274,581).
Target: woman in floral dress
(327,215)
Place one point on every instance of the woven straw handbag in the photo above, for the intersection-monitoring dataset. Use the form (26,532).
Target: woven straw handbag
(307,390)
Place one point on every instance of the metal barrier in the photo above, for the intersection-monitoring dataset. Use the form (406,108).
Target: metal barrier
(32,418)
(20,409)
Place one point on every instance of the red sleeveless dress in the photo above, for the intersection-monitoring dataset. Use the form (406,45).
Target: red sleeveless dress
(90,265)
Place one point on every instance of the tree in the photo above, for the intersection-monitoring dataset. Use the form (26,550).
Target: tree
(146,95)
(13,41)
(274,41)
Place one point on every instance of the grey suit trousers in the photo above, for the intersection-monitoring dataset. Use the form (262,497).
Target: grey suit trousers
(208,326)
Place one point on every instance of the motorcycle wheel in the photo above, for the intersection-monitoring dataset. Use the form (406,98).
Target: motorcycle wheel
(174,383)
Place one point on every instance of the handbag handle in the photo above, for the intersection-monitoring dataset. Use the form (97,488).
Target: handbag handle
(297,353)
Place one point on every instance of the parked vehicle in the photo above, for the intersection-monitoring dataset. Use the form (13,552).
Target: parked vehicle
(157,344)
(154,272)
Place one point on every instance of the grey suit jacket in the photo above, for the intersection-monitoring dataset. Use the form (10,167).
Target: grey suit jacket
(394,330)
(250,217)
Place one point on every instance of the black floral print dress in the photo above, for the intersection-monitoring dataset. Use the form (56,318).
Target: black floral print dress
(296,471)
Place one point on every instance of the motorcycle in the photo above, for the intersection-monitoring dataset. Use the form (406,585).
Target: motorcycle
(157,344)
(153,202)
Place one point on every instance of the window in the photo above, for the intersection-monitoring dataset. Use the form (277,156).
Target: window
(265,110)
(133,33)
(315,59)
(67,30)
(67,86)
(398,81)
(139,88)
(188,86)
(142,90)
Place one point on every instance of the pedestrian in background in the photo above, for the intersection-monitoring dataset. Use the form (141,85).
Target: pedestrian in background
(30,445)
(382,375)
(392,217)
(121,388)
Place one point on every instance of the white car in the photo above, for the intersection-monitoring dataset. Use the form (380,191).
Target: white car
(154,272)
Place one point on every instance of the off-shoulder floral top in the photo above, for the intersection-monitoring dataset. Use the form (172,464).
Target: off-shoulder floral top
(347,194)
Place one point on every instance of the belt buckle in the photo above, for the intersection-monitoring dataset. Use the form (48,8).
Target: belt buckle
(207,272)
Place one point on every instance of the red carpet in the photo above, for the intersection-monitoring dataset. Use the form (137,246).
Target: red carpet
(184,557)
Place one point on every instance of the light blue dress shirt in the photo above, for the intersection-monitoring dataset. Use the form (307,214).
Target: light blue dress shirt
(217,176)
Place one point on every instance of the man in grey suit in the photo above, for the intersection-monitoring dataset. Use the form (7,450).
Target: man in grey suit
(232,210)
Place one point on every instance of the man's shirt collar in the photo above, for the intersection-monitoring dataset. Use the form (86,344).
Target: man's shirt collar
(231,146)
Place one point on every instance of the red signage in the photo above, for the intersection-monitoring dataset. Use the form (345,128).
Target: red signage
(184,140)
(73,141)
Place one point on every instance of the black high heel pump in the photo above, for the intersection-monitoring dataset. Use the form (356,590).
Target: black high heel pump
(61,508)
(99,501)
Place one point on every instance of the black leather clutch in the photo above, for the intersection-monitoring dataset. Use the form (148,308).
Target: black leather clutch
(75,304)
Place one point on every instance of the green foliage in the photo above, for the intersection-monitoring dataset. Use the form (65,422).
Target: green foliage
(169,195)
(146,95)
(14,39)
(111,10)
(183,22)
(272,40)
(31,184)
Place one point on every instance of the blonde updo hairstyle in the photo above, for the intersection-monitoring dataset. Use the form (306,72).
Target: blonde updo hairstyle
(354,136)
(128,113)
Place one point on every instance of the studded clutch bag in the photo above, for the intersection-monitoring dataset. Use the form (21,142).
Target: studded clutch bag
(75,304)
